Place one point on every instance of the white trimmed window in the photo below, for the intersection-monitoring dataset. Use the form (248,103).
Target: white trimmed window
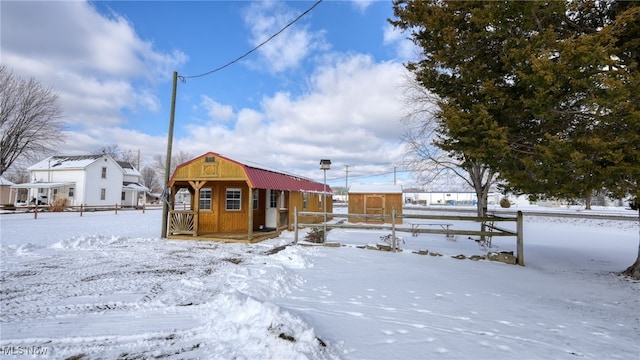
(205,199)
(233,199)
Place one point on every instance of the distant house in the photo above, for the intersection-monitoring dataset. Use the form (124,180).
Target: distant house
(5,191)
(91,180)
(235,201)
(447,197)
(375,200)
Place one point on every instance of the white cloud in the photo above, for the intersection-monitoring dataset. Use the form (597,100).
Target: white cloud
(405,48)
(362,5)
(215,110)
(350,114)
(290,47)
(97,64)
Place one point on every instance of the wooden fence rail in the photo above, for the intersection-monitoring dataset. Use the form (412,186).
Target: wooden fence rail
(79,209)
(488,228)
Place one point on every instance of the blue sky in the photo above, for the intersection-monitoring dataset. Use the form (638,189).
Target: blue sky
(330,86)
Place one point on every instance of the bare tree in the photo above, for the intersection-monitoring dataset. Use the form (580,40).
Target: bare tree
(176,159)
(30,124)
(117,154)
(432,164)
(150,179)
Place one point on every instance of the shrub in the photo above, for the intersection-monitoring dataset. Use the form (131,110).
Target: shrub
(58,205)
(505,203)
(315,235)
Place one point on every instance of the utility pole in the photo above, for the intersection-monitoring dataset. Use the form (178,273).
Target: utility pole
(167,166)
(394,175)
(346,179)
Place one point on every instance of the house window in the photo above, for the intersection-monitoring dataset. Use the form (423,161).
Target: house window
(256,202)
(233,199)
(103,194)
(305,198)
(123,196)
(273,199)
(205,199)
(71,190)
(104,172)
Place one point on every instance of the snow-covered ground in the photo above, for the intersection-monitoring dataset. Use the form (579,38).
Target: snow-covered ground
(105,286)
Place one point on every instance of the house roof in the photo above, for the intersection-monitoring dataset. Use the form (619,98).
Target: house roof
(128,168)
(265,179)
(65,162)
(261,177)
(4,181)
(58,162)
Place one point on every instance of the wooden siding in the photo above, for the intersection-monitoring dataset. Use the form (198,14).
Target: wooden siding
(219,169)
(314,204)
(222,174)
(374,204)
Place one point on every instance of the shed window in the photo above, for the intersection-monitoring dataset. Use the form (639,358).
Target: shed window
(256,202)
(320,201)
(233,200)
(273,199)
(209,159)
(205,199)
(305,198)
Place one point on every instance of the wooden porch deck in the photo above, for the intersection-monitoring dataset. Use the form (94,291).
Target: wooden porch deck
(229,237)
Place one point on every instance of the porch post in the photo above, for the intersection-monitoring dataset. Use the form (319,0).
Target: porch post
(197,185)
(250,210)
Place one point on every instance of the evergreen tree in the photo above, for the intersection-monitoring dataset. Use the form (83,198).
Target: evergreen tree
(544,93)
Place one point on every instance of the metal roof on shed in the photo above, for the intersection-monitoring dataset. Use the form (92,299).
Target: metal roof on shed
(260,177)
(265,179)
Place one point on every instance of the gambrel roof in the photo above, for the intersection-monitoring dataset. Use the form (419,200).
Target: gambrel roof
(260,177)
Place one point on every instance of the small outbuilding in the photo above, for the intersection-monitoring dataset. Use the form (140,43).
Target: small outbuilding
(374,200)
(5,191)
(234,201)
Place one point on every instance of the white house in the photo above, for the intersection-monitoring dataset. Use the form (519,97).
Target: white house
(91,180)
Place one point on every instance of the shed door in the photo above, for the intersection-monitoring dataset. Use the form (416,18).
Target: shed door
(374,205)
(272,209)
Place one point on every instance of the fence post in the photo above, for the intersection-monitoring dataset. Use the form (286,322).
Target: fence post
(295,225)
(116,209)
(81,207)
(144,205)
(520,237)
(393,230)
(35,211)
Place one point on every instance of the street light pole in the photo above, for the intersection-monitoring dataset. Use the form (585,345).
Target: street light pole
(325,164)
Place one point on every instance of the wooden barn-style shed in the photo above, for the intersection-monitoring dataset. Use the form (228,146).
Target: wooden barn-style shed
(234,201)
(375,200)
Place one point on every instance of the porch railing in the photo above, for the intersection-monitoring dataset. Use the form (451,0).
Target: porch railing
(182,222)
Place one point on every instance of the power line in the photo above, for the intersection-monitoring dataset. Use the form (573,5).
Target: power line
(183,78)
